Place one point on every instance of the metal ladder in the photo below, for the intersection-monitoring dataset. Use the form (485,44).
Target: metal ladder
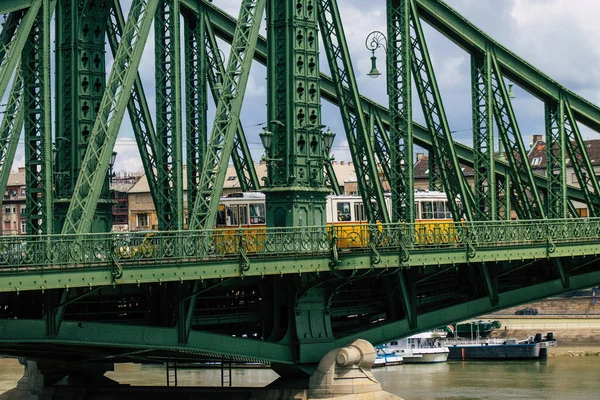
(171,373)
(226,373)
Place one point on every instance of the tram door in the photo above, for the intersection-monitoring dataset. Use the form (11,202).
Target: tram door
(238,215)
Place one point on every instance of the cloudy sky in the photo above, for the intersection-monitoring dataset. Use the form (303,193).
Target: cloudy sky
(557,36)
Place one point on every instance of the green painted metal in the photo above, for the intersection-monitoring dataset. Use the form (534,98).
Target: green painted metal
(240,155)
(139,112)
(110,114)
(13,38)
(224,26)
(458,29)
(107,259)
(10,130)
(470,309)
(81,80)
(331,180)
(196,101)
(8,6)
(452,179)
(399,55)
(169,154)
(355,123)
(220,145)
(200,344)
(526,200)
(483,139)
(556,168)
(381,143)
(581,163)
(295,186)
(35,63)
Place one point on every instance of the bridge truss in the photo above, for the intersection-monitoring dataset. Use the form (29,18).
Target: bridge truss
(70,292)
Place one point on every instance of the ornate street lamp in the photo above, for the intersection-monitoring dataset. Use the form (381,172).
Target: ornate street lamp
(374,41)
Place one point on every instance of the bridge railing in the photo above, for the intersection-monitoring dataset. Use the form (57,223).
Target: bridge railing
(61,252)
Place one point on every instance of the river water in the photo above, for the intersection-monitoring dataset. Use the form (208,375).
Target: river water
(560,377)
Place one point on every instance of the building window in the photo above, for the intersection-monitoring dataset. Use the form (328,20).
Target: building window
(138,198)
(22,191)
(23,209)
(231,178)
(7,226)
(142,220)
(23,227)
(6,210)
(536,161)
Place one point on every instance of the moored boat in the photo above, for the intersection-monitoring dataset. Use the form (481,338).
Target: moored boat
(530,348)
(425,347)
(385,357)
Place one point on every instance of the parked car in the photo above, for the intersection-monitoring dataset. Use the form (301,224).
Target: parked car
(527,311)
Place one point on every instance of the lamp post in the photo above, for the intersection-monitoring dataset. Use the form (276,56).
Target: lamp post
(374,41)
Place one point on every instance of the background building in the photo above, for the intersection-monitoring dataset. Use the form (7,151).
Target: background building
(13,205)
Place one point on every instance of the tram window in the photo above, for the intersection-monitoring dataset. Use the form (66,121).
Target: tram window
(426,210)
(343,211)
(243,214)
(232,216)
(439,209)
(257,214)
(416,211)
(221,218)
(359,212)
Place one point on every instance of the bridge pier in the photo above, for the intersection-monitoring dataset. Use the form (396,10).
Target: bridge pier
(43,381)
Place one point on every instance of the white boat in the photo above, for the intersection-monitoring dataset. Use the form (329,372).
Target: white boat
(385,357)
(425,347)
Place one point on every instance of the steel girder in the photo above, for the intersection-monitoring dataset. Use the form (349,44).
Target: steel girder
(580,161)
(452,178)
(8,6)
(525,196)
(110,114)
(355,124)
(458,29)
(195,100)
(484,185)
(13,38)
(10,129)
(135,337)
(556,168)
(224,26)
(169,154)
(137,107)
(399,55)
(220,145)
(470,309)
(240,155)
(35,63)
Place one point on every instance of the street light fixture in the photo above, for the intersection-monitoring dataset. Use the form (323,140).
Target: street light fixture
(374,41)
(328,137)
(266,137)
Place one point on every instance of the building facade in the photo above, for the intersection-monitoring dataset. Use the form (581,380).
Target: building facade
(13,205)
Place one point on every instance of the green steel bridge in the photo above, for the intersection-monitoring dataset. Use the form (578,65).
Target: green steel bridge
(74,295)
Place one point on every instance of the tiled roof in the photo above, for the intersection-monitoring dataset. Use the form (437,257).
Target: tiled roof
(537,154)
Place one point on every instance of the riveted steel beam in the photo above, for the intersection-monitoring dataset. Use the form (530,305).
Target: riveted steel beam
(13,38)
(355,123)
(10,129)
(220,145)
(240,155)
(452,178)
(137,107)
(110,114)
(224,26)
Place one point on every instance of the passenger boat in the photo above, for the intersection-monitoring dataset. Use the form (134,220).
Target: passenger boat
(425,347)
(531,348)
(385,357)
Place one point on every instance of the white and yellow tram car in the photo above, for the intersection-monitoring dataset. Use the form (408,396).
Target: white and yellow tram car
(345,215)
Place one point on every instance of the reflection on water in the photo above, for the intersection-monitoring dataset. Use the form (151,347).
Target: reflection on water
(557,378)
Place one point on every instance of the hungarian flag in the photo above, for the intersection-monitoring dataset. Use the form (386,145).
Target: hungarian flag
(450,328)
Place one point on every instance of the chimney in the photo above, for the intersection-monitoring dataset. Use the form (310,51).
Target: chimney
(341,163)
(420,156)
(535,139)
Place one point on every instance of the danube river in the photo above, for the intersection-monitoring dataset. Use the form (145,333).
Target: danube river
(560,377)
